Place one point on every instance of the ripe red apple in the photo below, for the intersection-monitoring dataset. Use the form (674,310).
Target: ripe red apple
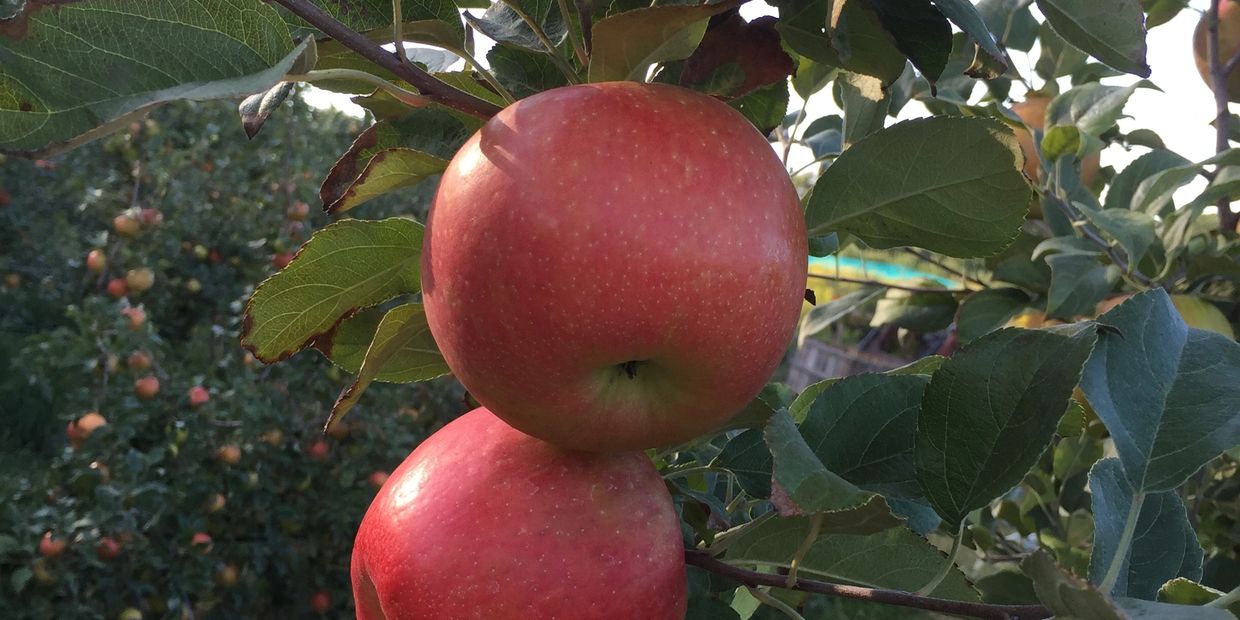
(117,288)
(125,225)
(318,450)
(108,548)
(377,478)
(136,316)
(281,259)
(321,602)
(615,266)
(50,547)
(201,539)
(152,217)
(96,261)
(297,211)
(5,197)
(485,521)
(140,280)
(139,360)
(1229,44)
(198,396)
(229,454)
(146,387)
(81,429)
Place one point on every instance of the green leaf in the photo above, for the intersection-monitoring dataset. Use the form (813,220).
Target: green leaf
(1057,58)
(502,24)
(1091,107)
(1166,392)
(920,31)
(823,316)
(1132,230)
(895,558)
(523,72)
(79,70)
(749,460)
(951,185)
(1065,595)
(1112,31)
(347,265)
(387,171)
(1123,187)
(1060,141)
(255,109)
(1153,195)
(1011,22)
(626,44)
(988,310)
(1159,12)
(764,107)
(1078,283)
(370,15)
(1074,455)
(989,414)
(862,42)
(1181,591)
(1163,547)
(862,428)
(923,312)
(403,348)
(865,105)
(967,18)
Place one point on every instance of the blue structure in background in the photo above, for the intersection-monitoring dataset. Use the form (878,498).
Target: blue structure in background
(877,269)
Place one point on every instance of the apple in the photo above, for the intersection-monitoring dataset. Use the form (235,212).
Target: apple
(1202,314)
(108,549)
(321,602)
(226,576)
(214,256)
(140,280)
(193,286)
(216,503)
(281,259)
(1032,111)
(41,573)
(297,211)
(81,429)
(139,360)
(125,225)
(152,217)
(484,518)
(96,261)
(615,266)
(1229,44)
(12,280)
(198,396)
(318,450)
(272,437)
(377,478)
(146,387)
(136,316)
(229,454)
(5,197)
(201,539)
(117,288)
(339,430)
(50,547)
(200,252)
(129,613)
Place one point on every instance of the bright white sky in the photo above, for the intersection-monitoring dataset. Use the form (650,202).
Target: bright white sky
(1181,114)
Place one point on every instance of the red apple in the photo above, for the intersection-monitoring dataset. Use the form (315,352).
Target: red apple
(318,450)
(377,478)
(5,197)
(139,360)
(108,549)
(125,225)
(1229,45)
(297,211)
(198,396)
(81,429)
(321,602)
(50,547)
(12,280)
(229,454)
(140,280)
(96,261)
(485,521)
(615,266)
(281,259)
(201,539)
(136,316)
(146,387)
(152,217)
(117,288)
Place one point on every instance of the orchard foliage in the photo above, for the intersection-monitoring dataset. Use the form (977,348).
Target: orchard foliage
(1084,468)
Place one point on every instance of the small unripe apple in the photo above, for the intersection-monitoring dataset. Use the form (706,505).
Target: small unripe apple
(12,280)
(272,437)
(139,360)
(108,548)
(202,540)
(1228,45)
(297,211)
(198,396)
(96,261)
(377,478)
(117,288)
(125,225)
(229,454)
(193,286)
(321,602)
(146,387)
(282,259)
(50,547)
(215,503)
(318,450)
(140,280)
(82,428)
(226,576)
(129,613)
(152,217)
(547,533)
(42,574)
(136,316)
(200,252)
(1202,314)
(1032,112)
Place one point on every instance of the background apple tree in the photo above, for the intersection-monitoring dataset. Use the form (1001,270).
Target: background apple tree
(1083,468)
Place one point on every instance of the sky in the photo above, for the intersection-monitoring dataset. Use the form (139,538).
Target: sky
(1180,113)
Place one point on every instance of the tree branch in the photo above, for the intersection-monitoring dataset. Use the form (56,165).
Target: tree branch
(1219,72)
(427,84)
(707,562)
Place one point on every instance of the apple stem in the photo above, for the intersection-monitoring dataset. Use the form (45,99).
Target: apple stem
(705,561)
(630,368)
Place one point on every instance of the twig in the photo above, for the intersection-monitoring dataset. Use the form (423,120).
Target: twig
(706,561)
(426,83)
(911,289)
(398,32)
(1219,71)
(1079,222)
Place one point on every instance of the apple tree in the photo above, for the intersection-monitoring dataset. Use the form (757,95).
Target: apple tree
(1082,468)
